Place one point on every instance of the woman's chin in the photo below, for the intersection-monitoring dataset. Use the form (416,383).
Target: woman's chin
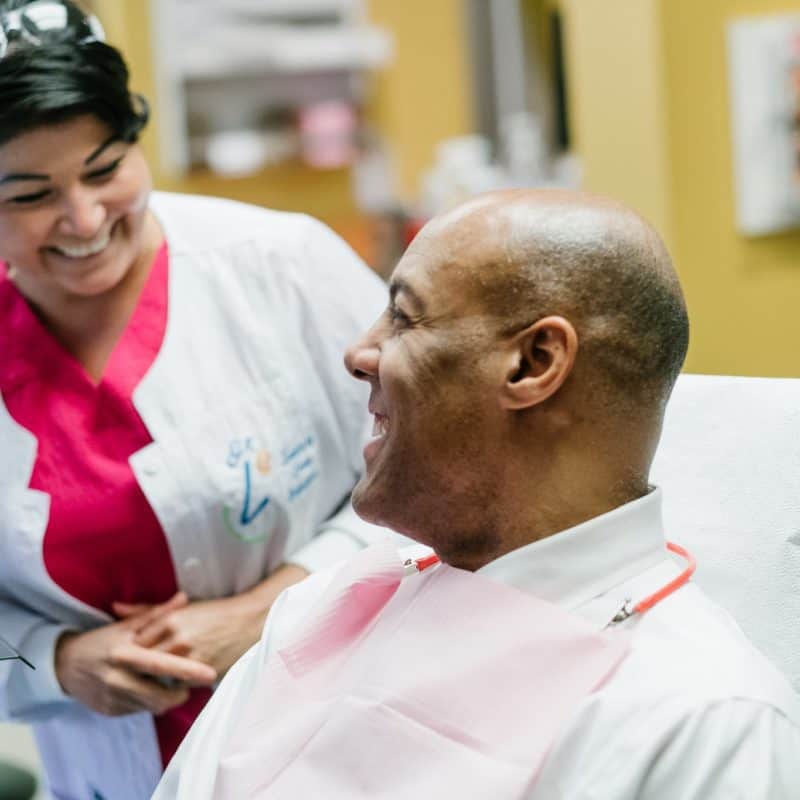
(91,285)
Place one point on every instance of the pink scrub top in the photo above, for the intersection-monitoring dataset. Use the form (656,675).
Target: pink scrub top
(103,542)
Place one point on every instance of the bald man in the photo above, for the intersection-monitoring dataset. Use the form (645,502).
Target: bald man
(540,642)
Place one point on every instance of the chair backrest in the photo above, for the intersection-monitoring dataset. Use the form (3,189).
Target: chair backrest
(729,466)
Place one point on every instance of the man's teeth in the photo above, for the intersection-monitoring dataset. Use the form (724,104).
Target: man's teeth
(380,426)
(86,250)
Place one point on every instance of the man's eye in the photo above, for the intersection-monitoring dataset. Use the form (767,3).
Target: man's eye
(396,315)
(104,171)
(25,199)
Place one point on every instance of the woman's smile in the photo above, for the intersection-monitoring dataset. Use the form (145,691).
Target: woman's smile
(87,249)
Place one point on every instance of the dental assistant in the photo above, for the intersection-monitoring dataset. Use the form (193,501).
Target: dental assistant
(178,441)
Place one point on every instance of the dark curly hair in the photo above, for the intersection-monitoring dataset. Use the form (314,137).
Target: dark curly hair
(60,79)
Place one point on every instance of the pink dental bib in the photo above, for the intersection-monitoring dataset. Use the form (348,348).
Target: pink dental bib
(444,684)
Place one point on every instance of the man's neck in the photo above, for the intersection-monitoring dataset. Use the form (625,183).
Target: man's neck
(539,516)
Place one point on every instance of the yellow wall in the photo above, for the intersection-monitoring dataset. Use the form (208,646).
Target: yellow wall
(425,95)
(648,98)
(649,103)
(419,99)
(617,104)
(744,293)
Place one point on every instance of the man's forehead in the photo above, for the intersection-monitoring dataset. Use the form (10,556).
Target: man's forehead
(427,269)
(489,240)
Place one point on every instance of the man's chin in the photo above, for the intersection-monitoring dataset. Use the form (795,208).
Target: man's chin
(371,505)
(361,500)
(375,510)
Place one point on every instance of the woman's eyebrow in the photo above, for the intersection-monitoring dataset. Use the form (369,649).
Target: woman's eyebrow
(33,176)
(23,176)
(106,144)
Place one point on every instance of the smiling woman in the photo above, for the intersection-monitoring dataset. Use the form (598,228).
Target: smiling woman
(74,225)
(177,444)
(75,228)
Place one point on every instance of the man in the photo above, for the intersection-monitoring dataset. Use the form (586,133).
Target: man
(518,382)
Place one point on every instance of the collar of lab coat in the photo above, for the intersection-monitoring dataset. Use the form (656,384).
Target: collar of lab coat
(593,567)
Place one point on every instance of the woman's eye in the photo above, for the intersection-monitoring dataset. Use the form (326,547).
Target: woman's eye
(104,171)
(26,199)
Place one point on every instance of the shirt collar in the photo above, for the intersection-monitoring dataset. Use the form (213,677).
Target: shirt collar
(573,567)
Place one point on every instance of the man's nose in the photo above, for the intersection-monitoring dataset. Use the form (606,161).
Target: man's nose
(84,214)
(361,358)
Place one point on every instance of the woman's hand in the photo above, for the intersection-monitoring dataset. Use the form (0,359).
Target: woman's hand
(110,673)
(214,632)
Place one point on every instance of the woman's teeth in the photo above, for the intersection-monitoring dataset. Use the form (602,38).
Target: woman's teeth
(86,250)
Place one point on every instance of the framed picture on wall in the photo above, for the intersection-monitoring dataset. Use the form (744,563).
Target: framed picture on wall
(764,70)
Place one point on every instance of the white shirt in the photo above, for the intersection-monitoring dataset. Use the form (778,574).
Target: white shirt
(693,713)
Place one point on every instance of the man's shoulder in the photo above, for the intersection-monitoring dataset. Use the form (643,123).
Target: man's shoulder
(689,647)
(672,745)
(693,701)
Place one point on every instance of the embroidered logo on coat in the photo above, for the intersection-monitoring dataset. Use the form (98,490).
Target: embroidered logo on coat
(246,520)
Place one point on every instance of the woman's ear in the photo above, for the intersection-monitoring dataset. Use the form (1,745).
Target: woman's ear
(540,360)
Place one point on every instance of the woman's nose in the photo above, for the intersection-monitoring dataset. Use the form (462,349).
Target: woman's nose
(84,214)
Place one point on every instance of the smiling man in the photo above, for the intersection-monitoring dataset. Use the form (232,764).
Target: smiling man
(542,643)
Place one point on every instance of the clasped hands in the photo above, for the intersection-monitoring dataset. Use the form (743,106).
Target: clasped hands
(151,657)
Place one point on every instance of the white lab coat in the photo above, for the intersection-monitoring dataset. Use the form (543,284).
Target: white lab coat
(694,712)
(249,380)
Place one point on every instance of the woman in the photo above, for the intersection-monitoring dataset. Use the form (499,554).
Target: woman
(177,437)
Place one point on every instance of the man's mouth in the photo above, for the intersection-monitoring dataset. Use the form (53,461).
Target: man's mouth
(380,426)
(85,250)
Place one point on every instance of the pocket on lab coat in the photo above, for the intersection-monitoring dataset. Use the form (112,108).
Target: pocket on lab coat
(236,489)
(366,750)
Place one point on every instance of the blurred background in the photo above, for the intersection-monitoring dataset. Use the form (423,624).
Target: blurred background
(375,114)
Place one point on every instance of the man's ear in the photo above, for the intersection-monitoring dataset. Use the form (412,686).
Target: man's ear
(541,358)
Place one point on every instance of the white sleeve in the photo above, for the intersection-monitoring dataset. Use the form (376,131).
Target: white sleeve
(734,750)
(338,298)
(730,750)
(27,695)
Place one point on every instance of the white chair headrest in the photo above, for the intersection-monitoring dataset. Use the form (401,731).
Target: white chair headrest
(729,466)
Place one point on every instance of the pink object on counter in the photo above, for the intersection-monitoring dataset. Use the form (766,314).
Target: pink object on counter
(327,134)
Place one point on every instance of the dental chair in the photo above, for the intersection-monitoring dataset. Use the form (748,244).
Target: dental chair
(729,465)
